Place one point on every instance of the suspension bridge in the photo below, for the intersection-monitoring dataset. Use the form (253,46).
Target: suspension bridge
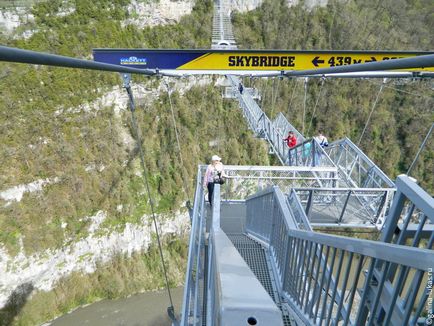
(255,256)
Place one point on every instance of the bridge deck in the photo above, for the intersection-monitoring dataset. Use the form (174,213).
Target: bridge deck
(256,258)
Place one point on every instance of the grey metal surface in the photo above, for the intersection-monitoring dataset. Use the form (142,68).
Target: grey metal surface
(233,216)
(247,180)
(191,313)
(356,166)
(314,271)
(346,205)
(238,296)
(257,259)
(238,293)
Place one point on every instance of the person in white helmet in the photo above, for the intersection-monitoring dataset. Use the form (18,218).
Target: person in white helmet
(214,174)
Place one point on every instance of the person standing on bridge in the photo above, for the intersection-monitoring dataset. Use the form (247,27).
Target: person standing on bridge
(323,142)
(291,142)
(214,174)
(240,88)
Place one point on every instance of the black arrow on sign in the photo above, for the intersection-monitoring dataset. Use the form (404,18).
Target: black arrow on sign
(372,60)
(316,61)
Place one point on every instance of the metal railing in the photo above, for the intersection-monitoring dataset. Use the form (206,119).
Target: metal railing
(308,153)
(348,206)
(251,110)
(222,34)
(283,127)
(323,277)
(297,211)
(356,167)
(324,203)
(234,295)
(193,300)
(231,93)
(247,180)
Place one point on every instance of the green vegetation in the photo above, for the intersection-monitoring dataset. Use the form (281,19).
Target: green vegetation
(77,140)
(119,278)
(405,109)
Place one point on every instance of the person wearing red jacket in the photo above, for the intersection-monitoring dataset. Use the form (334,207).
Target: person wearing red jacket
(291,141)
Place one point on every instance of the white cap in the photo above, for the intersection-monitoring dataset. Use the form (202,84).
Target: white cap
(216,158)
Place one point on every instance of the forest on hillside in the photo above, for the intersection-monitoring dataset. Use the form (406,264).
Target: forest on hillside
(37,142)
(341,107)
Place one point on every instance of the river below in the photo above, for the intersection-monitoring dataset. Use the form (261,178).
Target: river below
(149,308)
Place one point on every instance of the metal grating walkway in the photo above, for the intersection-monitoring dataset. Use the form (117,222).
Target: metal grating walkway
(257,259)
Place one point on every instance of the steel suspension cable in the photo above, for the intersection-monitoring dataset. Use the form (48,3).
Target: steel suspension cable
(306,79)
(185,186)
(316,104)
(372,110)
(171,309)
(276,93)
(292,95)
(401,90)
(420,149)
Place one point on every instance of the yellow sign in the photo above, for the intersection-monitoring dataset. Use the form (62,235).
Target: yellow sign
(289,60)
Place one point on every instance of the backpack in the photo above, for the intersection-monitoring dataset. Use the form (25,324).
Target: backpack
(219,179)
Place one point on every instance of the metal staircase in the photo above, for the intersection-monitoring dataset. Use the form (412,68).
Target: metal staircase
(222,35)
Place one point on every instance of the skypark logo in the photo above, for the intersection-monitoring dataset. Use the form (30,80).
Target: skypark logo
(133,61)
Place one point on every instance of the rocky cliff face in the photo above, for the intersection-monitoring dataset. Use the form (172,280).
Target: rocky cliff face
(157,13)
(44,269)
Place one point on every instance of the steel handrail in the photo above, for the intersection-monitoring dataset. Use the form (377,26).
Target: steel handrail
(358,152)
(302,247)
(192,249)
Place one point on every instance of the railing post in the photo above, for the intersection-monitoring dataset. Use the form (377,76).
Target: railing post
(314,163)
(393,217)
(344,207)
(309,203)
(284,270)
(199,266)
(380,207)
